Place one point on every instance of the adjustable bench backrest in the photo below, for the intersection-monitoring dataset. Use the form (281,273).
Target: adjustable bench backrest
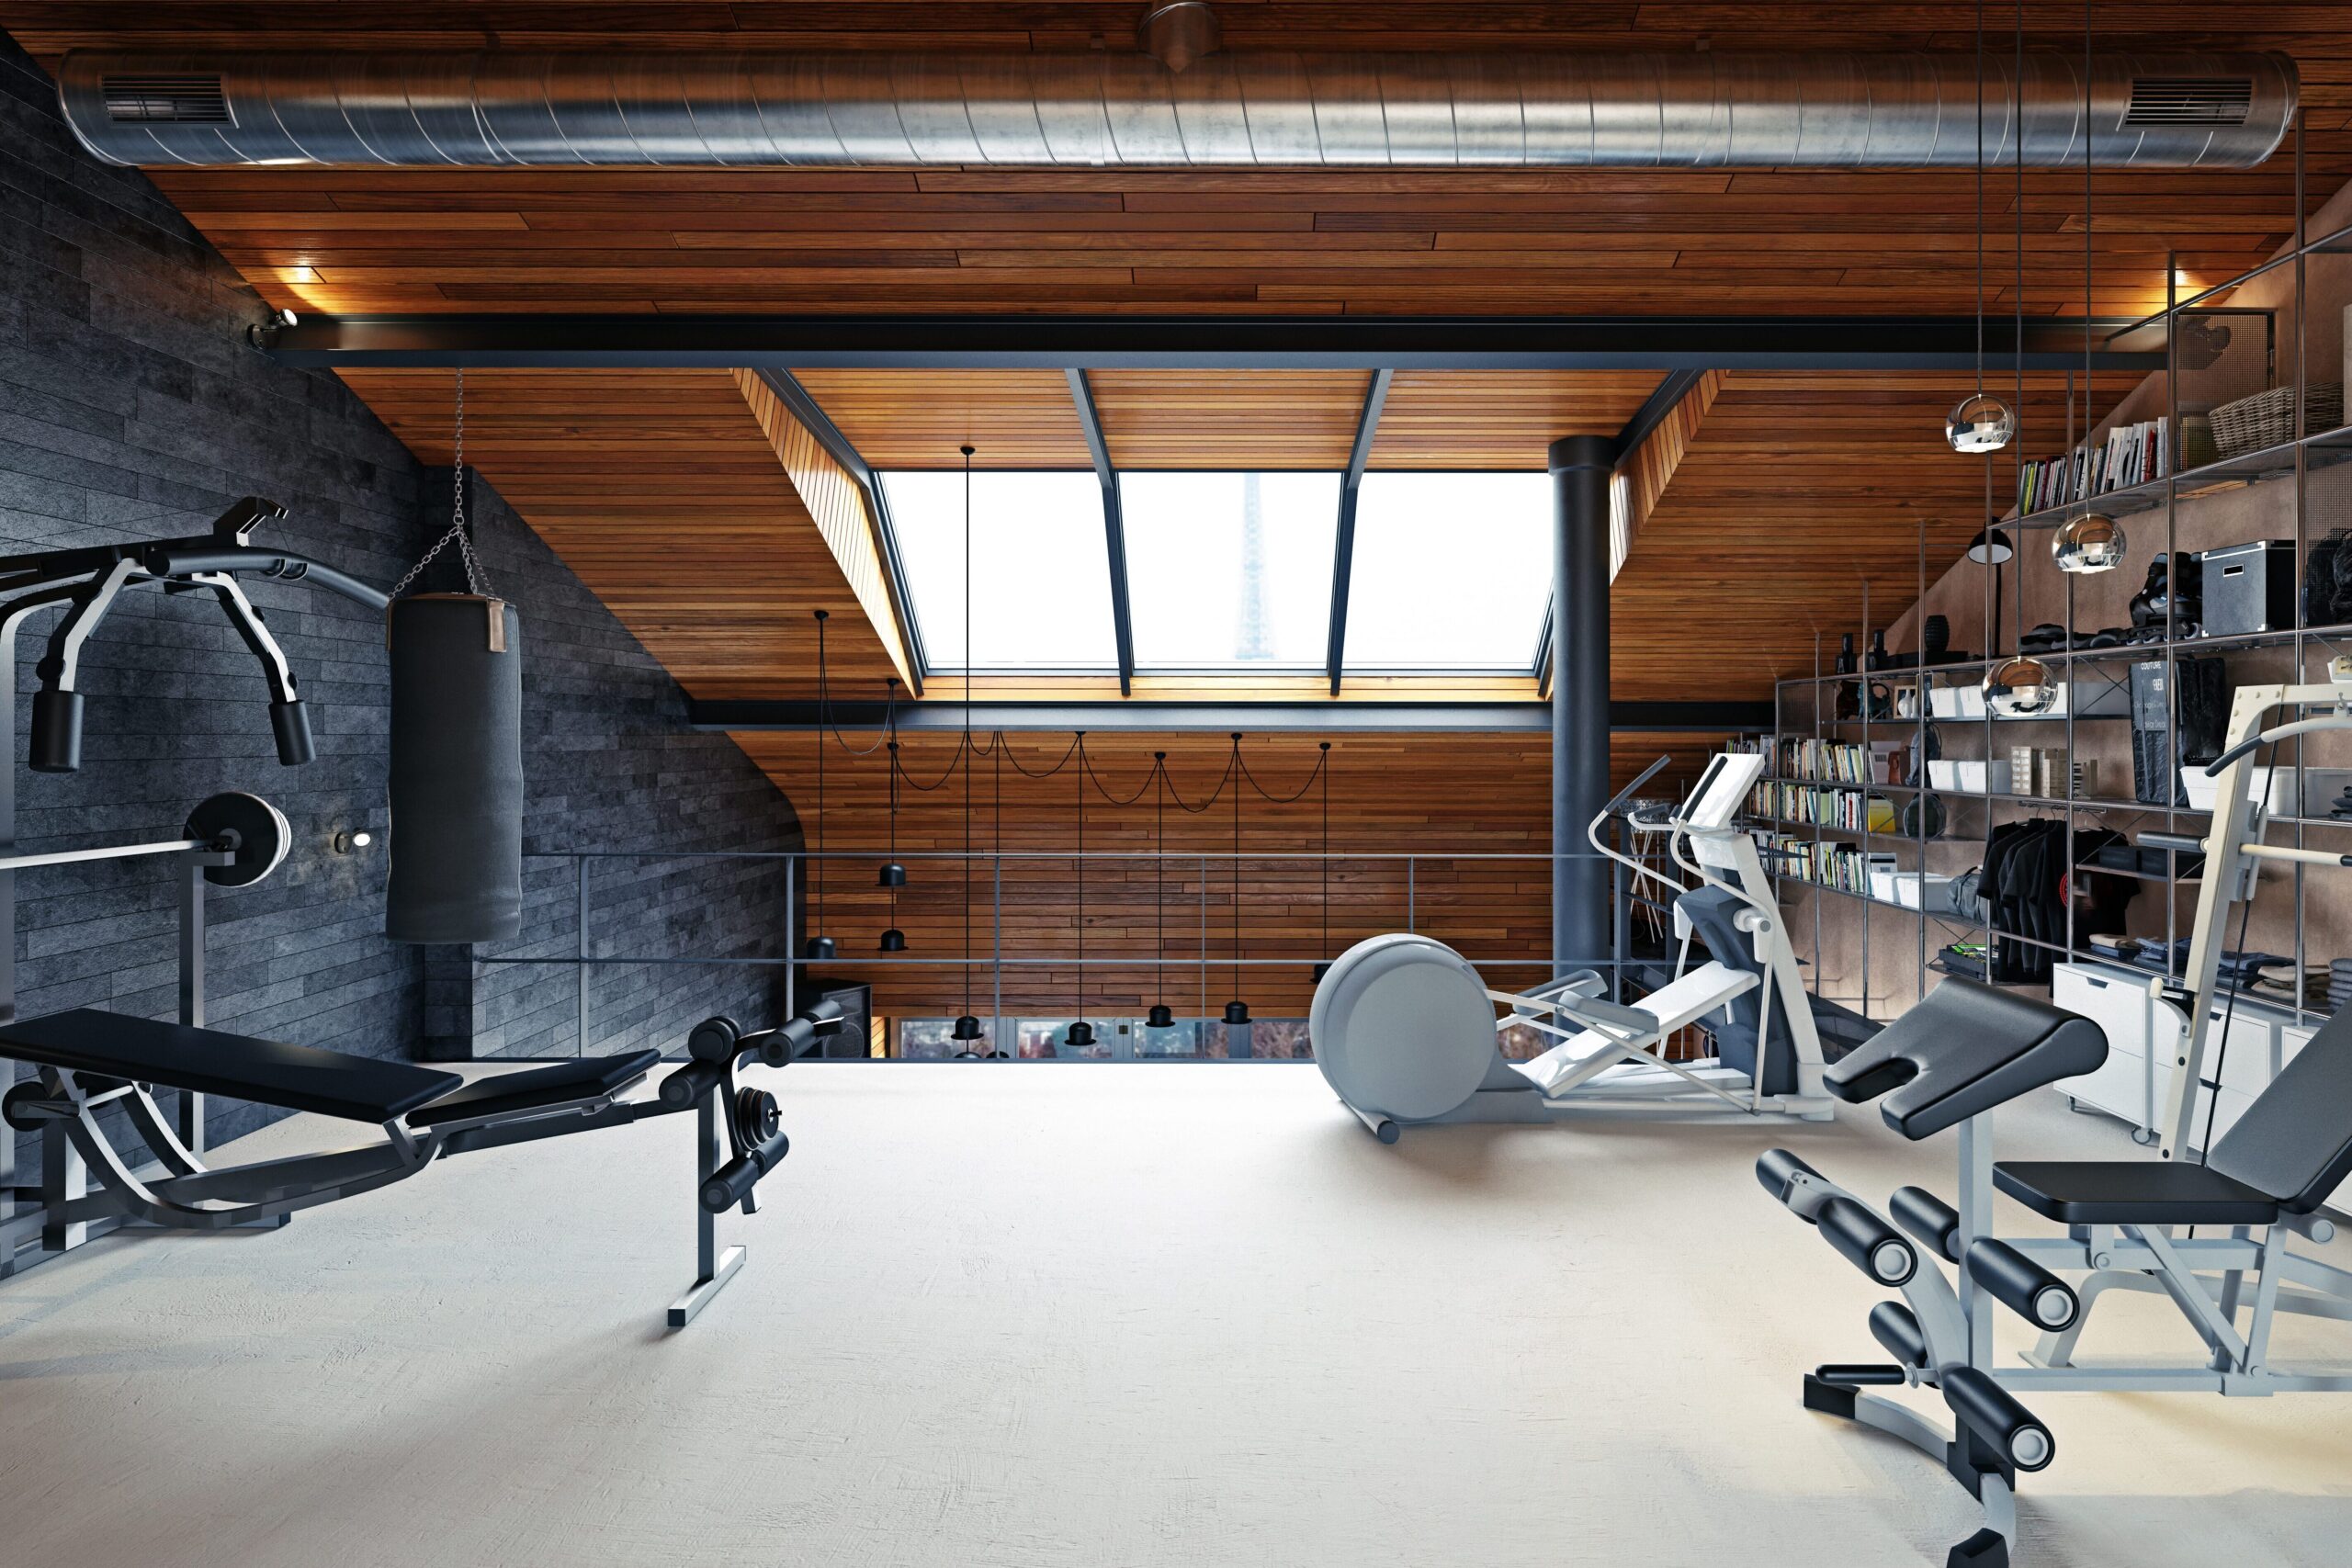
(1964,1049)
(2295,1141)
(209,1061)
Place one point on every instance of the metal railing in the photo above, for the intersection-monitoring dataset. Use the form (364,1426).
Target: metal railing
(1403,899)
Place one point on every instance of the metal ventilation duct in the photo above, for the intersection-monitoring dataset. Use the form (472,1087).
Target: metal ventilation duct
(1562,110)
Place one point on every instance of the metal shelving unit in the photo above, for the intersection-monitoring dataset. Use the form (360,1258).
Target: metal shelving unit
(1807,707)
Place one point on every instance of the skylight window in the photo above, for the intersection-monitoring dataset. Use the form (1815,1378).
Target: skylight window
(1041,577)
(1230,570)
(1451,571)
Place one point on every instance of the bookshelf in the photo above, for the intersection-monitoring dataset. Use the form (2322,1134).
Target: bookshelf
(1877,945)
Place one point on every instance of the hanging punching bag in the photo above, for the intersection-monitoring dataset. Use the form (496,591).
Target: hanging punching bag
(456,769)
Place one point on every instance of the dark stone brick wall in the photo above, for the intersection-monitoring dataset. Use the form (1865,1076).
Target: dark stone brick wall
(130,406)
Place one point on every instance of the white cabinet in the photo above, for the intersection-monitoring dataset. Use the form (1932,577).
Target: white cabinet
(2135,1083)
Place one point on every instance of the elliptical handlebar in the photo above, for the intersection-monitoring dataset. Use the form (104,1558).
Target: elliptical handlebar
(1616,804)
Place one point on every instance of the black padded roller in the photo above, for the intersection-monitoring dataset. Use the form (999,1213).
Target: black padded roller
(289,721)
(1778,1169)
(1867,1241)
(57,732)
(689,1083)
(1893,1325)
(732,1182)
(2020,1284)
(714,1039)
(1994,1414)
(1930,1218)
(457,769)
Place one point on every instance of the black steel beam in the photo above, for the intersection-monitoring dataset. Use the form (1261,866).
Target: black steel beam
(1194,343)
(1343,546)
(1114,526)
(1530,718)
(818,424)
(1663,400)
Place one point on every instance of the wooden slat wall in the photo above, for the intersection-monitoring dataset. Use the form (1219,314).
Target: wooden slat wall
(1487,420)
(919,419)
(1389,794)
(1800,493)
(838,509)
(663,492)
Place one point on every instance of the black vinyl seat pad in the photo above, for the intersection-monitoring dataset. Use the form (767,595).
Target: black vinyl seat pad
(2134,1192)
(211,1061)
(539,1089)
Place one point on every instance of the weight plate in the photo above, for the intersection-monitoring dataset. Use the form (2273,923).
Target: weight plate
(249,827)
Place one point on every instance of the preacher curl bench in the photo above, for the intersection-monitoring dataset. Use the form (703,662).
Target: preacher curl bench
(96,1071)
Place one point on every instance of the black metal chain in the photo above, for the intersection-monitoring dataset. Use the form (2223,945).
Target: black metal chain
(477,580)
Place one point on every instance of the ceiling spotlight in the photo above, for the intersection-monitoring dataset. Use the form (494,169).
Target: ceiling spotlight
(2020,688)
(1980,422)
(2093,541)
(349,841)
(287,318)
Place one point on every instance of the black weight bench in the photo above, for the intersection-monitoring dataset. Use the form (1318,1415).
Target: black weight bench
(89,1060)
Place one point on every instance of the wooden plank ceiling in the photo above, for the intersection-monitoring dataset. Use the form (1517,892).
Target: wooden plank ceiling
(1487,242)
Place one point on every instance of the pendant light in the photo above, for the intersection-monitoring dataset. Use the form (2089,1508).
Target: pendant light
(894,875)
(820,945)
(1082,1033)
(967,1024)
(2020,688)
(1981,422)
(1237,1011)
(1160,1017)
(2092,542)
(1324,967)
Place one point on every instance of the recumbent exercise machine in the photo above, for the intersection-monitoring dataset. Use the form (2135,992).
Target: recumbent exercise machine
(1405,1029)
(1967,1049)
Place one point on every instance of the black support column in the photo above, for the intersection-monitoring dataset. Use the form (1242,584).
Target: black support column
(1581,467)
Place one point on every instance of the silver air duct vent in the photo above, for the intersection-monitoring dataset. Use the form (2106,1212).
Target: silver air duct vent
(1560,110)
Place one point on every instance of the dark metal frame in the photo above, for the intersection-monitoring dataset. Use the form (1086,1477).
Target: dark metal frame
(1343,547)
(1256,717)
(1114,526)
(1189,343)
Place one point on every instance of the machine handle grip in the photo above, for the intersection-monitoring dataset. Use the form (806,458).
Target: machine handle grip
(2025,1287)
(2180,844)
(1867,1241)
(689,1083)
(1894,1325)
(1930,1218)
(1994,1414)
(732,1182)
(1780,1171)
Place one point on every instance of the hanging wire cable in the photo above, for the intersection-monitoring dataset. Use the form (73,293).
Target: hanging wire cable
(967,1024)
(1299,793)
(1160,1017)
(1323,771)
(1237,1011)
(820,945)
(2086,248)
(1082,1033)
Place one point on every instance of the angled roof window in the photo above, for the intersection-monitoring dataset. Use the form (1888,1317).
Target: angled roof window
(1451,571)
(1041,578)
(1229,569)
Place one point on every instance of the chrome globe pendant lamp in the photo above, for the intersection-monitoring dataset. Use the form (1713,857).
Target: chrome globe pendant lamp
(1160,1017)
(1082,1033)
(820,945)
(1237,1011)
(1981,422)
(2093,541)
(2020,687)
(967,1024)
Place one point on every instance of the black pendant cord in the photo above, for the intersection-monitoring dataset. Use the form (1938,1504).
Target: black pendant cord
(967,757)
(2017,342)
(2087,246)
(894,822)
(1160,874)
(1082,882)
(1324,769)
(820,877)
(1980,199)
(1235,879)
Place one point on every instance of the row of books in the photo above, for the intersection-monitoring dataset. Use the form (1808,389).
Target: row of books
(1830,866)
(2132,454)
(1832,761)
(1828,807)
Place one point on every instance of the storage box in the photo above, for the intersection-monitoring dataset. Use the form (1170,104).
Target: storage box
(1966,777)
(1929,891)
(2249,588)
(2321,786)
(1955,702)
(2202,791)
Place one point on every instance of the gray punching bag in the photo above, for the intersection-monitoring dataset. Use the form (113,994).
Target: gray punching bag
(457,772)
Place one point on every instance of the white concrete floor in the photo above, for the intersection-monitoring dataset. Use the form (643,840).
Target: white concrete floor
(1086,1316)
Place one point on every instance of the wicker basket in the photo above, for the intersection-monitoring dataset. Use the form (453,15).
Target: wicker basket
(2268,419)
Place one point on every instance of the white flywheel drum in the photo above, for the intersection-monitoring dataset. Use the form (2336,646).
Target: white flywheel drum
(1402,1027)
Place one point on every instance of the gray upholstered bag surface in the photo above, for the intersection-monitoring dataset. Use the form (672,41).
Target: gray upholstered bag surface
(457,769)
